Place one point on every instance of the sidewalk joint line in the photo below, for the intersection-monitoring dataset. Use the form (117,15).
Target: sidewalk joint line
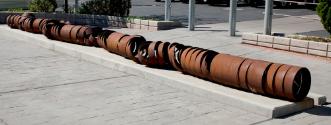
(64,84)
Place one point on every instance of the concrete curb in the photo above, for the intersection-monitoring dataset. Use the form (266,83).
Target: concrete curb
(288,44)
(262,105)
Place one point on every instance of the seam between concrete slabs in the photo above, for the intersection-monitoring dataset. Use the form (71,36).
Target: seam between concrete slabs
(259,122)
(64,84)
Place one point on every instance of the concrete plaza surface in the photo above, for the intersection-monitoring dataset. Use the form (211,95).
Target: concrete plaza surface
(39,86)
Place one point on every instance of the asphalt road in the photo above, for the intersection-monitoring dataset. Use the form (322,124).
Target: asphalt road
(207,14)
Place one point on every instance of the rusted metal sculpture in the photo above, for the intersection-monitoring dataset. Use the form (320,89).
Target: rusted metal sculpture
(261,77)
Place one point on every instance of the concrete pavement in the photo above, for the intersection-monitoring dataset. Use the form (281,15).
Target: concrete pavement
(39,86)
(45,87)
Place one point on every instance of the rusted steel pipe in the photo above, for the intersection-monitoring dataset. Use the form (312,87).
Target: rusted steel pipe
(261,77)
(113,41)
(65,33)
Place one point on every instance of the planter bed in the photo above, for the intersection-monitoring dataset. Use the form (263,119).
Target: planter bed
(288,44)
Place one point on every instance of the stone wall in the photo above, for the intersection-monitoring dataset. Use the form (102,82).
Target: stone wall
(103,21)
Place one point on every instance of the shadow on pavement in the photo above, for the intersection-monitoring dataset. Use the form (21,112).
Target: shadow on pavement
(211,30)
(206,28)
(318,33)
(324,110)
(224,5)
(173,1)
(320,110)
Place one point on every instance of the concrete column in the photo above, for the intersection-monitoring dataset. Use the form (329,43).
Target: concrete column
(191,18)
(167,13)
(66,6)
(268,17)
(232,17)
(76,6)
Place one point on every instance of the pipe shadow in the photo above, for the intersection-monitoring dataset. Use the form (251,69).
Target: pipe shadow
(324,110)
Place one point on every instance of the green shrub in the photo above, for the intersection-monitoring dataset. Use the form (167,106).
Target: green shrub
(324,12)
(16,10)
(42,5)
(106,7)
(311,38)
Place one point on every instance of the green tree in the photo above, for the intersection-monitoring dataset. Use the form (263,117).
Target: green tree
(324,12)
(106,7)
(42,5)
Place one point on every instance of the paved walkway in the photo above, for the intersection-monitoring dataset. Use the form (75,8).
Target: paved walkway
(39,86)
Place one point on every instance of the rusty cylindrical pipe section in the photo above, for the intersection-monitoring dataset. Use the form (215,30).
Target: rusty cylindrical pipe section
(257,76)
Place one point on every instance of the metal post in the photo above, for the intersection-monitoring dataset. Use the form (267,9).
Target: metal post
(167,10)
(232,17)
(66,9)
(268,17)
(76,6)
(191,19)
